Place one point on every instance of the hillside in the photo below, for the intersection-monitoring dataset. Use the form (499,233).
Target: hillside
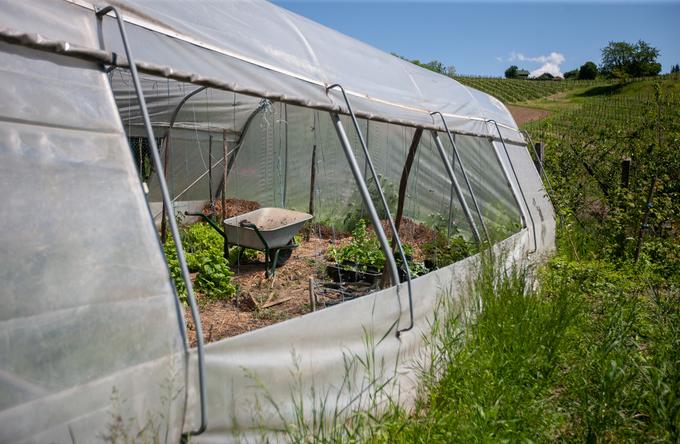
(518,91)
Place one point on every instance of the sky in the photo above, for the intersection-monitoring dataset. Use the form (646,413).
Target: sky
(485,38)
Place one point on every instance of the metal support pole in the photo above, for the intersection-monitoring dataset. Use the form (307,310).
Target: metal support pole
(285,157)
(539,149)
(171,217)
(366,196)
(550,191)
(514,192)
(454,182)
(168,148)
(378,226)
(465,176)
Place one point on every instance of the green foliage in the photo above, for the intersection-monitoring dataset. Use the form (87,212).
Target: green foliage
(357,212)
(511,72)
(363,250)
(203,248)
(587,71)
(623,60)
(434,66)
(443,251)
(571,75)
(675,69)
(585,146)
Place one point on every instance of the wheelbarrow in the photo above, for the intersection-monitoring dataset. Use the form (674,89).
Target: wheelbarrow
(268,229)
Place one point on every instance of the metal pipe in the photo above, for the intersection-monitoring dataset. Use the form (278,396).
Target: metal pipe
(454,181)
(171,219)
(234,152)
(168,147)
(550,191)
(465,176)
(366,196)
(387,210)
(514,192)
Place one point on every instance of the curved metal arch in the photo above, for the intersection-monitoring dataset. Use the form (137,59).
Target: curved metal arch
(519,186)
(371,208)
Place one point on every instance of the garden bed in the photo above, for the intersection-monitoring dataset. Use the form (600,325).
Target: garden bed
(338,266)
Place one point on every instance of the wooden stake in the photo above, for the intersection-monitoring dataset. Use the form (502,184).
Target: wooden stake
(385,279)
(312,297)
(312,183)
(404,178)
(625,172)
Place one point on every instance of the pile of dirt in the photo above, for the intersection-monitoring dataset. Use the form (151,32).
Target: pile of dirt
(235,207)
(413,234)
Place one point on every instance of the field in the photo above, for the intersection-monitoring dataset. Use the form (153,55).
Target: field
(591,353)
(517,91)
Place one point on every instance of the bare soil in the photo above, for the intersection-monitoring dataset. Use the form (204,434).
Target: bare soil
(234,207)
(260,302)
(523,114)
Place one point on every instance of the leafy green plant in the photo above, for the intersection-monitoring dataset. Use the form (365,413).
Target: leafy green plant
(443,251)
(416,268)
(363,250)
(204,254)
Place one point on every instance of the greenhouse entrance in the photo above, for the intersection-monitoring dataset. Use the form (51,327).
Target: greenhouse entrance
(441,189)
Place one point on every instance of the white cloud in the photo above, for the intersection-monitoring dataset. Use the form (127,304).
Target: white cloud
(549,63)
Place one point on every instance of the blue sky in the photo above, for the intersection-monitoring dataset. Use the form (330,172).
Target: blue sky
(484,38)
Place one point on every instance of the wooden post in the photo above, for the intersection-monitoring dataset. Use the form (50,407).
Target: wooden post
(312,297)
(312,184)
(540,152)
(404,179)
(645,220)
(164,222)
(625,172)
(384,280)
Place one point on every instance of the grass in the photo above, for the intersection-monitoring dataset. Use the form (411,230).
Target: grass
(592,354)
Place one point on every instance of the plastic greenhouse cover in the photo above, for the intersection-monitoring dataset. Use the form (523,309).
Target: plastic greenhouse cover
(90,326)
(258,48)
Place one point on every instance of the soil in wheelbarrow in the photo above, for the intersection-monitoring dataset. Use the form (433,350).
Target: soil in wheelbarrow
(260,302)
(234,207)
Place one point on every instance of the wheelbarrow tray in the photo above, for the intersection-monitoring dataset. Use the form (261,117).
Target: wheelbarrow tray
(277,226)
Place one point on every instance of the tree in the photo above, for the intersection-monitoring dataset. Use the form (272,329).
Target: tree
(588,71)
(675,68)
(511,72)
(571,75)
(622,59)
(451,71)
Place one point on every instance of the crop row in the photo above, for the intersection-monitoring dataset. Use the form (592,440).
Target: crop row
(515,90)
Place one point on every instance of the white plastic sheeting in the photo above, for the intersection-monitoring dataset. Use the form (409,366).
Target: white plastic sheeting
(261,49)
(256,377)
(89,326)
(91,334)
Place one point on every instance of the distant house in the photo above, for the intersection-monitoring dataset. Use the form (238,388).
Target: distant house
(545,76)
(522,74)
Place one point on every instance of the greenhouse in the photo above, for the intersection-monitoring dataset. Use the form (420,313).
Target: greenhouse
(346,190)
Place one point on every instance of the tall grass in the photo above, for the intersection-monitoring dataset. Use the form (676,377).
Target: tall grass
(577,351)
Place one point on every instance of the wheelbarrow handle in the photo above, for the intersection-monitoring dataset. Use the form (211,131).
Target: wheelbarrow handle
(246,224)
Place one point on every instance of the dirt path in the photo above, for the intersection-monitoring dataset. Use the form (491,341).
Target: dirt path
(523,115)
